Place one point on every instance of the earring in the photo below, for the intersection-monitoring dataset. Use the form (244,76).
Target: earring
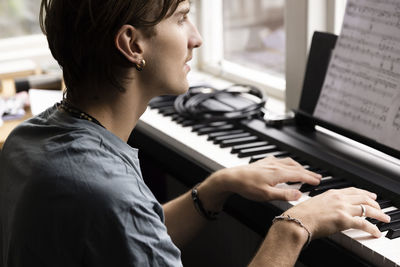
(140,66)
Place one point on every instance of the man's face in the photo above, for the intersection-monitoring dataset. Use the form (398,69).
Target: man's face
(168,52)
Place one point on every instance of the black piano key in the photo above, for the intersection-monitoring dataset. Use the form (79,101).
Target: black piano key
(393,233)
(384,203)
(394,214)
(186,123)
(211,136)
(219,139)
(321,189)
(309,187)
(277,154)
(324,173)
(386,226)
(236,149)
(211,124)
(167,111)
(256,151)
(238,141)
(162,109)
(180,119)
(175,116)
(208,130)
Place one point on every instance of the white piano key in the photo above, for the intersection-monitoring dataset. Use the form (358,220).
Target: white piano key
(195,146)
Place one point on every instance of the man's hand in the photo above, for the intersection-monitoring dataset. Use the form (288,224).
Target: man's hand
(257,181)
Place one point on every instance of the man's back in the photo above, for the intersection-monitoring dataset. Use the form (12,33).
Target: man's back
(72,194)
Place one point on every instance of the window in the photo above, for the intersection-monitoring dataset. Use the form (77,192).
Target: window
(19,17)
(264,43)
(20,34)
(254,34)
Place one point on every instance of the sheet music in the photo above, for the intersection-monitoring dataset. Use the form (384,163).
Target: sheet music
(361,91)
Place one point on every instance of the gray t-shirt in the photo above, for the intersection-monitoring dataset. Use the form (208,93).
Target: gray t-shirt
(72,194)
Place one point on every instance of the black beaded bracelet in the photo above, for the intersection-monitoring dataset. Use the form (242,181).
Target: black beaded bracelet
(209,215)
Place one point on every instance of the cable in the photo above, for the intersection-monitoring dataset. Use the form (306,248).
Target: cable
(210,104)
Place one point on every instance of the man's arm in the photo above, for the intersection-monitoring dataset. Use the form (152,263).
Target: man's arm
(254,181)
(323,215)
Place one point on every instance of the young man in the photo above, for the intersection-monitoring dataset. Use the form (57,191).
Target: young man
(72,193)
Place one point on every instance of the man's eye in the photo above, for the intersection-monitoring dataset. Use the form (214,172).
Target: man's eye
(183,19)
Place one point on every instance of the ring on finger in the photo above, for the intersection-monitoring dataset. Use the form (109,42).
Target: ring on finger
(363,210)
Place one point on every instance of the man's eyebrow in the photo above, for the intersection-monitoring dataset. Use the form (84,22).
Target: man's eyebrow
(185,10)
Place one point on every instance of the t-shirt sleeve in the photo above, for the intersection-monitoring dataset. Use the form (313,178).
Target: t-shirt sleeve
(130,235)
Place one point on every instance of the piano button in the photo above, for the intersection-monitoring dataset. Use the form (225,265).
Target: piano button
(386,226)
(219,139)
(384,203)
(236,149)
(256,151)
(238,141)
(208,130)
(321,189)
(211,124)
(211,136)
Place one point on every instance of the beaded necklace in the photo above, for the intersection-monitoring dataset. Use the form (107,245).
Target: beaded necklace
(77,113)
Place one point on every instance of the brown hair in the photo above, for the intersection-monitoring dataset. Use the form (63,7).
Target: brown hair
(81,36)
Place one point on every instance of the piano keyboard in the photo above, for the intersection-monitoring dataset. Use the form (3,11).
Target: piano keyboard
(224,144)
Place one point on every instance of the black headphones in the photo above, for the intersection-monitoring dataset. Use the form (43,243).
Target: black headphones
(204,103)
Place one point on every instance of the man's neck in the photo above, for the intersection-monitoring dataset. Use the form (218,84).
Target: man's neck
(118,113)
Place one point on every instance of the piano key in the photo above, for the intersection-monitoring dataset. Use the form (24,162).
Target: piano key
(309,187)
(186,123)
(321,189)
(393,233)
(324,173)
(175,116)
(208,130)
(211,136)
(162,109)
(386,226)
(212,124)
(167,111)
(276,154)
(384,203)
(256,151)
(219,139)
(236,149)
(391,211)
(238,141)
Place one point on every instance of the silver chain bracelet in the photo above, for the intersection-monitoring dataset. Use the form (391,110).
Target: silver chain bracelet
(284,217)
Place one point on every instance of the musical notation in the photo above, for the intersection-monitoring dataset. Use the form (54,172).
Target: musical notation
(361,91)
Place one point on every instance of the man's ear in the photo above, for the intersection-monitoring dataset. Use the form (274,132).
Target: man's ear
(128,42)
